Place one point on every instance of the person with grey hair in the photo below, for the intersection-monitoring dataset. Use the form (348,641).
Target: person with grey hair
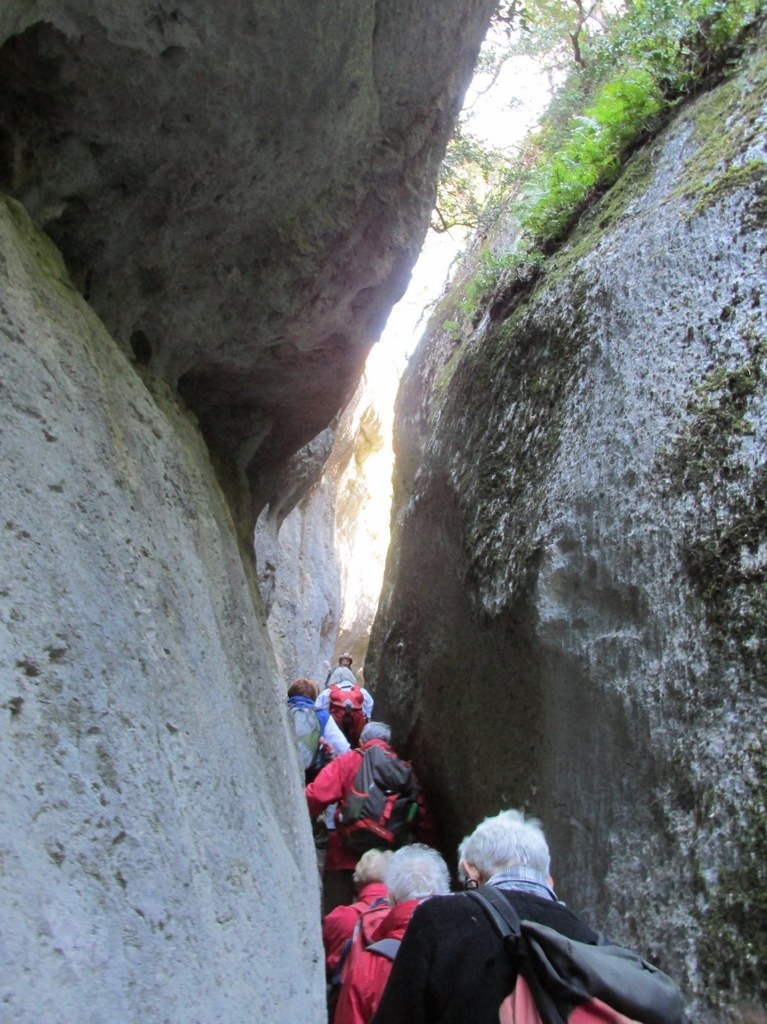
(507,848)
(375,774)
(413,874)
(376,731)
(338,925)
(452,967)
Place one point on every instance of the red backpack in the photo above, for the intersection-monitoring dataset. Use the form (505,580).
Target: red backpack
(346,700)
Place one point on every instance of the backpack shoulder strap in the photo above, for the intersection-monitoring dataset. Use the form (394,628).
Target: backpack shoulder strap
(498,909)
(323,717)
(385,947)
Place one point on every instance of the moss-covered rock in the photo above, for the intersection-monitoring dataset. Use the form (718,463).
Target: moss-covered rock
(573,616)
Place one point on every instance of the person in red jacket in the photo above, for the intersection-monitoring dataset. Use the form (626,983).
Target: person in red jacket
(338,925)
(413,874)
(333,785)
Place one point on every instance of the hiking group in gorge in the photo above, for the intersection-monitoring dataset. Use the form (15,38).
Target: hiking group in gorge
(400,947)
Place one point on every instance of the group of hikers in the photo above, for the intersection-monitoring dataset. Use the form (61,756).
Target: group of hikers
(400,947)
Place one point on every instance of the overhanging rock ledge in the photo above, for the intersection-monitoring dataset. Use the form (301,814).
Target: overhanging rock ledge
(239,190)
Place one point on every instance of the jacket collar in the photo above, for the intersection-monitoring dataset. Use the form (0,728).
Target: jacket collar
(396,921)
(297,701)
(372,891)
(376,743)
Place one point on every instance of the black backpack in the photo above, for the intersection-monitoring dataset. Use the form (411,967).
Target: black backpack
(382,804)
(562,981)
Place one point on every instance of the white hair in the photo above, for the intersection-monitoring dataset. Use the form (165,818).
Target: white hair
(376,731)
(415,872)
(505,841)
(462,876)
(371,867)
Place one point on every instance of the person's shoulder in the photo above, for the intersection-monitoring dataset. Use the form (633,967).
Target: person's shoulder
(338,916)
(554,915)
(372,891)
(439,908)
(344,758)
(352,756)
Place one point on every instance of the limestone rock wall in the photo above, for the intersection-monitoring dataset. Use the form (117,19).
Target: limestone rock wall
(321,561)
(299,569)
(156,865)
(573,614)
(239,189)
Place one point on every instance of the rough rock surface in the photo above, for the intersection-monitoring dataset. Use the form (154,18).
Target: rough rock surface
(153,835)
(299,572)
(321,561)
(240,189)
(573,618)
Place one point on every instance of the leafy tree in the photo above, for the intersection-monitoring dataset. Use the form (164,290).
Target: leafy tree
(468,173)
(559,33)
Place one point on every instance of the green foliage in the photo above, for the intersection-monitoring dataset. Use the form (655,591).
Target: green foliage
(591,156)
(628,65)
(558,33)
(515,265)
(678,42)
(466,176)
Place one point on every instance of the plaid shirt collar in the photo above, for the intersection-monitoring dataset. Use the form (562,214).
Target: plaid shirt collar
(523,880)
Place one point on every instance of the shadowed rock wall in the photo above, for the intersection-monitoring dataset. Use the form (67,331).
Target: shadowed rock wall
(573,614)
(240,189)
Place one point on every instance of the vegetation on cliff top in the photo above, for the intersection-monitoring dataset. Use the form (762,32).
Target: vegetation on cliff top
(625,66)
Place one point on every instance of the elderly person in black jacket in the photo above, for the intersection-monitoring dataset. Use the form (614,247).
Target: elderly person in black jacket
(452,967)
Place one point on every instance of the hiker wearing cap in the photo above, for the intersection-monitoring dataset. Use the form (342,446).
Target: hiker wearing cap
(342,671)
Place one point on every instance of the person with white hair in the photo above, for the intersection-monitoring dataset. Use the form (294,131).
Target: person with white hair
(338,925)
(507,848)
(413,874)
(452,967)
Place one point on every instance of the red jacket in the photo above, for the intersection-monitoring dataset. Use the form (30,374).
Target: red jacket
(333,784)
(366,974)
(338,925)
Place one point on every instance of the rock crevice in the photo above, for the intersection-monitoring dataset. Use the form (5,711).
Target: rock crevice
(238,191)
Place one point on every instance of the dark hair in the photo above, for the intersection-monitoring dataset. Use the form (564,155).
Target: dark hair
(304,688)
